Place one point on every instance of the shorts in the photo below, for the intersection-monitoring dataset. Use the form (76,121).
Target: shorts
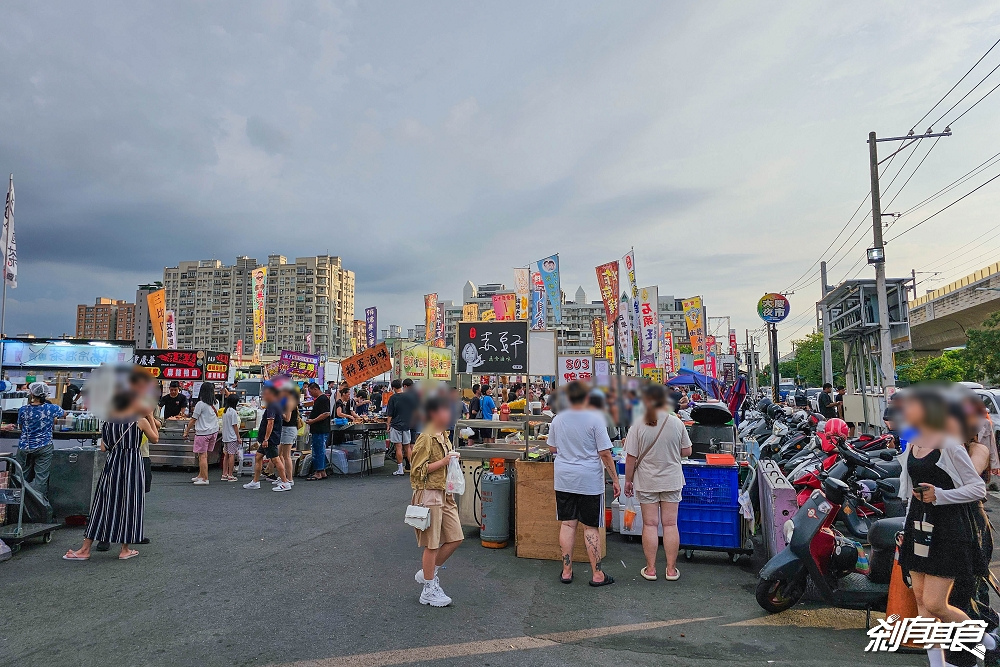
(147,468)
(650,497)
(232,447)
(205,443)
(397,436)
(288,435)
(588,510)
(268,451)
(445,525)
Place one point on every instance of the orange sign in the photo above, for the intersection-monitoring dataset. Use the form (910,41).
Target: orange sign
(364,366)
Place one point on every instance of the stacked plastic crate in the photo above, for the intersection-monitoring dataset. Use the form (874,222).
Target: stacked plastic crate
(709,514)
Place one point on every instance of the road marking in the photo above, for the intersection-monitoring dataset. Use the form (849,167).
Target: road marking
(826,617)
(485,647)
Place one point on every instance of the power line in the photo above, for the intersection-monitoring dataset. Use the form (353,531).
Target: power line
(950,90)
(939,262)
(951,186)
(912,227)
(967,94)
(975,103)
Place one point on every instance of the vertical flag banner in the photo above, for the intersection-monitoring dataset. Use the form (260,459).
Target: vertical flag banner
(625,346)
(258,282)
(430,316)
(710,344)
(371,326)
(537,319)
(157,303)
(439,326)
(628,268)
(8,240)
(732,342)
(309,343)
(549,270)
(170,327)
(239,353)
(505,307)
(470,312)
(607,282)
(694,314)
(668,351)
(649,321)
(597,331)
(522,288)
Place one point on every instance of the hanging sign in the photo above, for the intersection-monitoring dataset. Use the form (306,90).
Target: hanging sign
(522,289)
(505,307)
(366,365)
(572,367)
(413,362)
(439,363)
(470,312)
(493,347)
(773,308)
(537,317)
(298,365)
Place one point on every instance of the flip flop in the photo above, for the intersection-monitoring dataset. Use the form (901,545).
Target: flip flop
(674,577)
(312,478)
(66,556)
(608,580)
(565,580)
(132,553)
(646,576)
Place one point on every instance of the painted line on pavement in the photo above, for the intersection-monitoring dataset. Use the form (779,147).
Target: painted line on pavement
(824,617)
(484,647)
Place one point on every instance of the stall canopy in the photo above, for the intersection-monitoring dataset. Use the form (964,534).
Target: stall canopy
(688,377)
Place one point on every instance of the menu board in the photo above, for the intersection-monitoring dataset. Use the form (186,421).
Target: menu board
(187,365)
(573,367)
(493,347)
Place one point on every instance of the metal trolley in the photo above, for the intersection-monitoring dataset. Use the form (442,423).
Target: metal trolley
(15,533)
(709,517)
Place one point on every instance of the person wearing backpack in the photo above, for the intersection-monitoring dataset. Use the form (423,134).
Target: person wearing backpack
(653,474)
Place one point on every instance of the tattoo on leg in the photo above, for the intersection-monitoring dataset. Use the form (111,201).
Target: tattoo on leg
(598,567)
(566,560)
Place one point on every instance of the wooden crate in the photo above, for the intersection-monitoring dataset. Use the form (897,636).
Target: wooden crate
(536,530)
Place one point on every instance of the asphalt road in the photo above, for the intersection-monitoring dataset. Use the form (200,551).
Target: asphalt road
(323,576)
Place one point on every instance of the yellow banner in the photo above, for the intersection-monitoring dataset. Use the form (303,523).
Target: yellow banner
(439,363)
(157,302)
(470,312)
(694,314)
(413,362)
(258,283)
(488,315)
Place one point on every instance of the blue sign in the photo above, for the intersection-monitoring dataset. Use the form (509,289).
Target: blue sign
(19,354)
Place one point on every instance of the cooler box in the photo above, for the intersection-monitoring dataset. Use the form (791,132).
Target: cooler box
(353,449)
(336,461)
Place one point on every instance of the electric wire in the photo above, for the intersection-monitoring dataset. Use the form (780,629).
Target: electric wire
(933,215)
(974,104)
(962,98)
(952,89)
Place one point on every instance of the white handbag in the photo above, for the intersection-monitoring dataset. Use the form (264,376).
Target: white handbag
(418,516)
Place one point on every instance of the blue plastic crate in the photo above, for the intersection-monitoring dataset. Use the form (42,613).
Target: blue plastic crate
(709,525)
(711,485)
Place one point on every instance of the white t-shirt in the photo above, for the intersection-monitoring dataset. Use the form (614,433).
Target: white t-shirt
(206,421)
(660,468)
(230,419)
(579,436)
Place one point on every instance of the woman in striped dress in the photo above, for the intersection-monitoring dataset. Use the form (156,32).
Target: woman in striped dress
(116,515)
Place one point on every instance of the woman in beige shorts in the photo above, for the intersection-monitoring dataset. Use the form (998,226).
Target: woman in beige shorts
(653,474)
(428,476)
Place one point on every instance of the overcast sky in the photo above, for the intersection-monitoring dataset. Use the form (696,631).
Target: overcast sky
(428,143)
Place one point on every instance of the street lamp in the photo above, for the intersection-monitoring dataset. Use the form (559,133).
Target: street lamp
(876,255)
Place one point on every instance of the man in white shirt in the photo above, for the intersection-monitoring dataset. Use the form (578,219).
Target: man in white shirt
(579,438)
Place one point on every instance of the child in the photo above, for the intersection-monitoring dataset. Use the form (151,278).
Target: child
(230,437)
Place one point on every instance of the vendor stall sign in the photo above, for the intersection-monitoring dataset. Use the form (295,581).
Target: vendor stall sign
(493,347)
(157,303)
(488,315)
(773,308)
(522,289)
(549,270)
(217,366)
(505,307)
(62,355)
(258,285)
(413,362)
(172,364)
(649,322)
(470,312)
(597,332)
(170,326)
(298,365)
(653,374)
(430,316)
(667,341)
(537,318)
(607,282)
(439,363)
(371,326)
(366,365)
(571,367)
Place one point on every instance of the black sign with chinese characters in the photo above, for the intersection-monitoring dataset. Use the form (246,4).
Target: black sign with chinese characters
(186,365)
(493,348)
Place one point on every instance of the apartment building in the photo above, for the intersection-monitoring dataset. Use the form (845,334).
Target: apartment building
(107,319)
(309,296)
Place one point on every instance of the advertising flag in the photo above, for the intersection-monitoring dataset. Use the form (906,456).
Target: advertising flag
(537,319)
(694,315)
(649,321)
(430,316)
(607,282)
(8,240)
(505,306)
(628,268)
(239,353)
(170,327)
(258,283)
(597,332)
(470,312)
(549,270)
(732,342)
(668,351)
(157,303)
(371,326)
(522,288)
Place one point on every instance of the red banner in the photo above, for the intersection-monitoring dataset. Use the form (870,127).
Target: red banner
(607,282)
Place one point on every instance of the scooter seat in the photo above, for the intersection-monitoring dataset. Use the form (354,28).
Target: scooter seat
(882,534)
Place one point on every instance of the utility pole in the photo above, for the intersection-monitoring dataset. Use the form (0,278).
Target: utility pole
(824,313)
(885,337)
(772,337)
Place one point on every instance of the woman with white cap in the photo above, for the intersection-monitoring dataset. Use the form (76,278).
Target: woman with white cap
(34,446)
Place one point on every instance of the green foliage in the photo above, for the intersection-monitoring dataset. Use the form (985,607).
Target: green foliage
(982,352)
(951,366)
(807,365)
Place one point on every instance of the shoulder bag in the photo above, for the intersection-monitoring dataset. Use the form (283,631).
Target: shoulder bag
(642,454)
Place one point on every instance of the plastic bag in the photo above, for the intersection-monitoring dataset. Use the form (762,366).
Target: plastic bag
(628,517)
(456,478)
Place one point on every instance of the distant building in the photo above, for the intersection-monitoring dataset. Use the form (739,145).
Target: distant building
(107,319)
(144,337)
(359,338)
(671,312)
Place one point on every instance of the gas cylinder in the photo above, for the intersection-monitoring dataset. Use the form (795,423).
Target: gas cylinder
(495,493)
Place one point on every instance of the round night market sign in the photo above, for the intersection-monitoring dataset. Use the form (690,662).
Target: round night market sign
(772,308)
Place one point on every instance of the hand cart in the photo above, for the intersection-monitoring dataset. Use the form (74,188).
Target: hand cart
(13,534)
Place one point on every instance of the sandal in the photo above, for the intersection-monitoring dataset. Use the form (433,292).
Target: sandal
(646,576)
(674,577)
(608,580)
(132,553)
(313,478)
(73,555)
(565,580)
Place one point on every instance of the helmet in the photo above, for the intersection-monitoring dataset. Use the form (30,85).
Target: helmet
(837,427)
(774,411)
(764,403)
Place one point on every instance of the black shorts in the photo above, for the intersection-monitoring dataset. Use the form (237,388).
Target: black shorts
(268,451)
(578,507)
(148,467)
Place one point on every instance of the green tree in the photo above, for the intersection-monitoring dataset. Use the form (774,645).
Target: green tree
(808,362)
(951,366)
(982,352)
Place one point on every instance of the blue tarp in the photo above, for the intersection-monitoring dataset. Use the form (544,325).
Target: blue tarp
(690,378)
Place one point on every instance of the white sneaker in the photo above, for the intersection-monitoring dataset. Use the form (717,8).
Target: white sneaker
(433,595)
(276,482)
(419,576)
(201,482)
(195,479)
(399,471)
(282,487)
(252,485)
